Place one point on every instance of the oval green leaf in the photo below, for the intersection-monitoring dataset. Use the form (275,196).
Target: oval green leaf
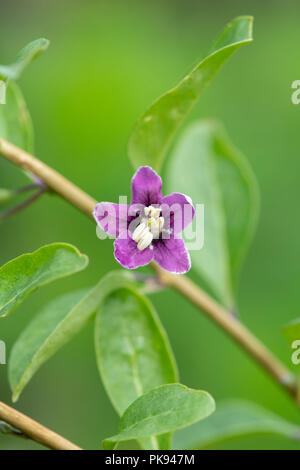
(156,128)
(234,419)
(207,167)
(162,410)
(54,326)
(132,349)
(30,52)
(26,273)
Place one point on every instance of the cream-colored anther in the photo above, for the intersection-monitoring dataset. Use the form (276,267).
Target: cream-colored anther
(154,226)
(152,211)
(139,232)
(145,241)
(151,226)
(161,223)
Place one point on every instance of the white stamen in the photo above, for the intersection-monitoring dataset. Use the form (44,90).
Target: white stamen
(138,232)
(154,227)
(145,241)
(152,211)
(161,223)
(151,227)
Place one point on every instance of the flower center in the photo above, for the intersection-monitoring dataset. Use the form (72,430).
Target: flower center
(150,228)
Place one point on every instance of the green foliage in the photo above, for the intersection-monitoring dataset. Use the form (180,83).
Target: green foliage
(207,167)
(163,409)
(156,128)
(233,419)
(132,349)
(26,273)
(133,352)
(15,121)
(55,325)
(24,57)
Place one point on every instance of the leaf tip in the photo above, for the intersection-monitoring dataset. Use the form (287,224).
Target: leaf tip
(15,397)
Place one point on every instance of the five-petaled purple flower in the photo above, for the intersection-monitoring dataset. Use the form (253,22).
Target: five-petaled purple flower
(150,227)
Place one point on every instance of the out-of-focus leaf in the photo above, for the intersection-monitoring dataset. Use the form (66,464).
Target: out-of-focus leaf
(156,128)
(24,57)
(5,195)
(162,410)
(2,92)
(15,121)
(233,419)
(59,321)
(292,330)
(132,349)
(207,167)
(26,273)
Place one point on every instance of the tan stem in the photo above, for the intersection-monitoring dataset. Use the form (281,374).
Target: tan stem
(34,430)
(182,284)
(52,178)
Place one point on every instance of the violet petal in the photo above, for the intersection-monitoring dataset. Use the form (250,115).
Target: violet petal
(112,218)
(146,187)
(178,211)
(128,254)
(172,255)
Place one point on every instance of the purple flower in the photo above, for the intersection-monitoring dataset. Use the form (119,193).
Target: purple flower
(150,227)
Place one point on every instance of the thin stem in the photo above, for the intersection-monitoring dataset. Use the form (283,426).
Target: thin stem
(235,329)
(22,205)
(27,188)
(51,178)
(151,284)
(34,430)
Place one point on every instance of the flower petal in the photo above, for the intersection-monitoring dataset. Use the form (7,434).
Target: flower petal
(112,218)
(127,253)
(178,211)
(172,255)
(146,187)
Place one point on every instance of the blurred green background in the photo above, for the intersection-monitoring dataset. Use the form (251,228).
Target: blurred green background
(107,62)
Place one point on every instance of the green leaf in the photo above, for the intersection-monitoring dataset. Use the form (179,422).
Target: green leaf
(132,349)
(25,56)
(292,330)
(15,121)
(234,419)
(156,128)
(161,410)
(207,167)
(26,273)
(55,325)
(2,91)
